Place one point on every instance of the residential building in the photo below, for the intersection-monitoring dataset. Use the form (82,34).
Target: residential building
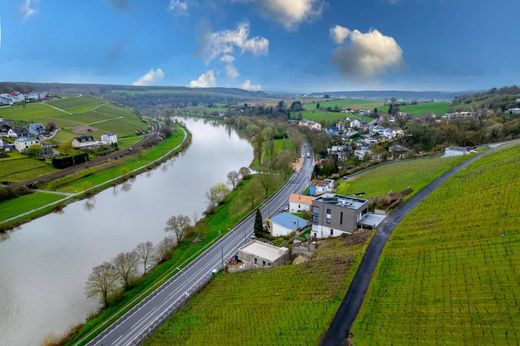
(260,254)
(284,223)
(333,215)
(35,129)
(6,100)
(23,143)
(321,186)
(109,138)
(398,151)
(363,153)
(300,203)
(455,151)
(83,142)
(17,97)
(1,143)
(7,131)
(310,124)
(514,111)
(356,123)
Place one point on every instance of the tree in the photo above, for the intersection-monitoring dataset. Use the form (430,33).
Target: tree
(317,105)
(267,181)
(34,150)
(51,126)
(145,251)
(217,194)
(252,191)
(259,224)
(244,172)
(258,142)
(283,162)
(180,226)
(164,248)
(103,282)
(125,264)
(234,178)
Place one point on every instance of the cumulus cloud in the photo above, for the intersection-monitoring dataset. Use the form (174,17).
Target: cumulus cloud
(290,13)
(339,34)
(232,71)
(178,7)
(367,55)
(150,77)
(247,85)
(27,9)
(205,80)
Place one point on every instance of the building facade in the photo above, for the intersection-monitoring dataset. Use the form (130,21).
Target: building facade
(260,254)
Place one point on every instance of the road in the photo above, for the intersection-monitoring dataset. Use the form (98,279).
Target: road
(138,323)
(349,308)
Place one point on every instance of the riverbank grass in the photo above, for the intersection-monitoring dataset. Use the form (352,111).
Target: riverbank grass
(23,204)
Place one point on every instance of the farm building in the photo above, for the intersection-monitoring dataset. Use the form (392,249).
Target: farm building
(82,142)
(455,151)
(284,224)
(260,254)
(299,203)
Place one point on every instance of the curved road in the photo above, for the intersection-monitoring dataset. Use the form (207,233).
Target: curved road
(142,319)
(349,308)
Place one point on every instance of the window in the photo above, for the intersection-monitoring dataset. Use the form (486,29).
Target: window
(341,218)
(256,260)
(327,220)
(315,219)
(329,211)
(263,263)
(331,232)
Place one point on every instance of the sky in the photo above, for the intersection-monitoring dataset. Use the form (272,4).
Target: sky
(282,45)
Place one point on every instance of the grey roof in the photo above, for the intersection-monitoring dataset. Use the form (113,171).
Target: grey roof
(82,139)
(289,221)
(341,201)
(110,134)
(25,139)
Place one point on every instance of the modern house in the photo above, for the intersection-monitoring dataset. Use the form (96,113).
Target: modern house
(35,129)
(83,142)
(285,223)
(109,138)
(321,186)
(455,151)
(23,143)
(260,254)
(300,203)
(333,215)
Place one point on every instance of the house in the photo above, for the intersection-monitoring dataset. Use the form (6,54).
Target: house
(285,223)
(7,131)
(299,203)
(333,215)
(455,151)
(312,125)
(260,254)
(17,97)
(23,143)
(1,143)
(321,186)
(35,129)
(514,111)
(398,151)
(356,124)
(6,100)
(32,97)
(109,138)
(363,153)
(83,142)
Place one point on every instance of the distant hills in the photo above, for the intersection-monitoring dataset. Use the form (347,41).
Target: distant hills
(398,94)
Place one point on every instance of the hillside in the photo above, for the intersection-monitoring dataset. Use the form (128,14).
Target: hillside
(494,99)
(449,273)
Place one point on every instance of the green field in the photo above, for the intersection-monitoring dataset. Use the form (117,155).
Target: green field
(354,103)
(449,274)
(321,115)
(398,176)
(438,108)
(21,167)
(287,305)
(22,204)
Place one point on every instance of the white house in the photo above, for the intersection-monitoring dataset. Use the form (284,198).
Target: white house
(455,151)
(83,142)
(319,187)
(109,138)
(514,111)
(355,124)
(6,100)
(23,143)
(284,223)
(1,143)
(299,203)
(260,254)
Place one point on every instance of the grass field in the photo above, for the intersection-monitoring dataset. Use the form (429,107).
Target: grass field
(321,115)
(438,108)
(354,103)
(22,204)
(287,305)
(21,167)
(279,145)
(449,274)
(398,176)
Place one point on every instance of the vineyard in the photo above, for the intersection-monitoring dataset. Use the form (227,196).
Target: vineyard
(282,305)
(450,273)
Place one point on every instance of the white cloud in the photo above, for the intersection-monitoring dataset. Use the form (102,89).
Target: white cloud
(368,54)
(339,34)
(150,77)
(27,10)
(179,7)
(247,85)
(205,80)
(290,13)
(226,42)
(232,71)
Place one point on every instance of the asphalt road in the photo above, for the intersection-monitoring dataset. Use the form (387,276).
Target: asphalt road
(349,308)
(139,322)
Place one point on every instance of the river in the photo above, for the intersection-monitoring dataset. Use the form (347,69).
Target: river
(44,264)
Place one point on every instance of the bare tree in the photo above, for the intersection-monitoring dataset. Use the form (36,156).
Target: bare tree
(244,172)
(179,226)
(126,264)
(165,247)
(145,251)
(234,178)
(267,181)
(252,192)
(217,194)
(103,282)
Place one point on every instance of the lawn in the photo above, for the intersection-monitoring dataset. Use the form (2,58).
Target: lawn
(438,108)
(449,274)
(22,204)
(284,305)
(77,104)
(398,176)
(22,168)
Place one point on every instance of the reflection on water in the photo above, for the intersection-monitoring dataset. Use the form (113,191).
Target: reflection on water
(45,263)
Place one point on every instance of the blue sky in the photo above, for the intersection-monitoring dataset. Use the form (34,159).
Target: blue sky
(294,45)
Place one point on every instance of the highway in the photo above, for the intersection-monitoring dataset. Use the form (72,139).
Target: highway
(142,319)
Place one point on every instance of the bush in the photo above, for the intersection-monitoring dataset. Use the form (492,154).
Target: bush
(67,161)
(8,192)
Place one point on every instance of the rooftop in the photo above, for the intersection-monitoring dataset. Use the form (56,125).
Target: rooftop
(295,198)
(264,250)
(85,139)
(25,139)
(341,201)
(289,221)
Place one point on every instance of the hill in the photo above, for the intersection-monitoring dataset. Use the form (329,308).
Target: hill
(399,94)
(495,99)
(449,273)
